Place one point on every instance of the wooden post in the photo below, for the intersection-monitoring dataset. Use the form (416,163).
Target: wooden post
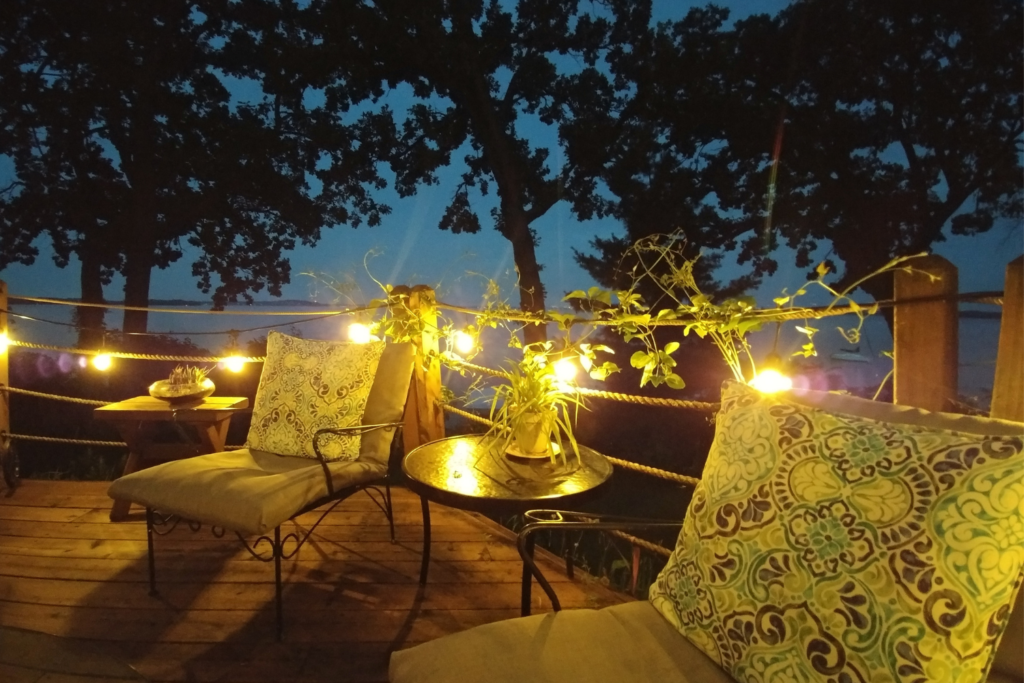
(925,335)
(7,465)
(424,419)
(1008,388)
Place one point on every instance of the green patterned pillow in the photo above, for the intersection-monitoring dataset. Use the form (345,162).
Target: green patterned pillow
(842,540)
(307,385)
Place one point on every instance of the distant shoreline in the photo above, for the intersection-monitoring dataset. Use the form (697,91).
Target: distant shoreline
(298,303)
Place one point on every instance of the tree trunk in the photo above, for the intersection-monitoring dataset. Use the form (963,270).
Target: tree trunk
(90,319)
(531,289)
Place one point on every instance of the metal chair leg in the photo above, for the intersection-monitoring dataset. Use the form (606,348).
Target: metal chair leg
(425,505)
(149,545)
(527,594)
(277,583)
(390,510)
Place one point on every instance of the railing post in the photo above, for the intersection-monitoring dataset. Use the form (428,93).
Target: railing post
(1008,388)
(424,419)
(925,334)
(6,459)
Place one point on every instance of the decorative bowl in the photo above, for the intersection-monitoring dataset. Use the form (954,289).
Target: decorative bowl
(181,393)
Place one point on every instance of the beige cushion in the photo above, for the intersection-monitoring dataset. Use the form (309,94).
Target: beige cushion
(625,643)
(244,490)
(842,539)
(386,402)
(308,385)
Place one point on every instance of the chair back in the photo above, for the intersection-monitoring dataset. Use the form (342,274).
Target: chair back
(387,399)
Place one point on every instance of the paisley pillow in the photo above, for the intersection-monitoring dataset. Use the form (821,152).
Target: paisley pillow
(307,385)
(843,540)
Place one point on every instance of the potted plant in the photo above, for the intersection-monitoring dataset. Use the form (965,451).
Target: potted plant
(185,383)
(533,411)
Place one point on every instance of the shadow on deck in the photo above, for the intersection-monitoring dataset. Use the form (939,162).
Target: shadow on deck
(351,597)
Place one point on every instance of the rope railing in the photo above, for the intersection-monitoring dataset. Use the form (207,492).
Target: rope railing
(53,397)
(186,311)
(128,355)
(595,393)
(768,314)
(625,464)
(76,442)
(650,400)
(641,543)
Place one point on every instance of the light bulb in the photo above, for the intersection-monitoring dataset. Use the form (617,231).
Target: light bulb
(359,333)
(234,363)
(565,370)
(771,381)
(463,342)
(102,361)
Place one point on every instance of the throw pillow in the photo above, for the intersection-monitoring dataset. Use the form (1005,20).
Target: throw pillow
(307,385)
(842,540)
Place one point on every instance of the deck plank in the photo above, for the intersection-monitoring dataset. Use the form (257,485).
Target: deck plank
(351,596)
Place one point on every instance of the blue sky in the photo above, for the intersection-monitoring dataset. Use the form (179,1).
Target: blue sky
(413,250)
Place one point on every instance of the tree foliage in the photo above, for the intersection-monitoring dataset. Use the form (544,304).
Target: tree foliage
(127,145)
(483,79)
(889,122)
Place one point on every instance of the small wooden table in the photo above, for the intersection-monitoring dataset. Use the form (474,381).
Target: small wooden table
(136,418)
(468,473)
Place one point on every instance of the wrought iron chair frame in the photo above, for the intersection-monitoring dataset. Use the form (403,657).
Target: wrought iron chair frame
(155,522)
(561,520)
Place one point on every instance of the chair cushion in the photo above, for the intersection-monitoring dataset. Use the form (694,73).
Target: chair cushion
(308,385)
(244,490)
(833,538)
(386,402)
(629,642)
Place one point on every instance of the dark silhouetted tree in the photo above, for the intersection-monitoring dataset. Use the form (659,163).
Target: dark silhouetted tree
(127,145)
(482,79)
(893,121)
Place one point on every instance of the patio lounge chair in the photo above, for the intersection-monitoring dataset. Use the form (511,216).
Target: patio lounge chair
(830,539)
(313,398)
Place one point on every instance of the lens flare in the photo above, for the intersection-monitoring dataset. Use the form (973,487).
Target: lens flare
(102,362)
(234,363)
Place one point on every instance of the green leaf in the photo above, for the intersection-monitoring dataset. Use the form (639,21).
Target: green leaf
(674,381)
(671,347)
(640,359)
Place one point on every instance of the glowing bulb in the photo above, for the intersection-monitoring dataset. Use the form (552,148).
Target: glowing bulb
(463,342)
(771,382)
(359,333)
(565,370)
(102,362)
(234,363)
(5,341)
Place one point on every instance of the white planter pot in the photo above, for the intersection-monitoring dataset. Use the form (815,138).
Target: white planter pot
(532,434)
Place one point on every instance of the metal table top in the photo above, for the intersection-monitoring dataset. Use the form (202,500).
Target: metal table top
(472,473)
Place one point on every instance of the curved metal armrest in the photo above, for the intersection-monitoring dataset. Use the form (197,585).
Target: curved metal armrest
(542,520)
(357,429)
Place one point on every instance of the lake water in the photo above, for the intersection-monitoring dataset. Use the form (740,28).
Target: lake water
(838,365)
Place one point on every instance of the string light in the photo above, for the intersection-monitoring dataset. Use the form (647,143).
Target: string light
(771,380)
(234,363)
(463,342)
(359,333)
(565,370)
(102,361)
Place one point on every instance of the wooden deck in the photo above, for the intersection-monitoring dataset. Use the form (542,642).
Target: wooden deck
(351,597)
